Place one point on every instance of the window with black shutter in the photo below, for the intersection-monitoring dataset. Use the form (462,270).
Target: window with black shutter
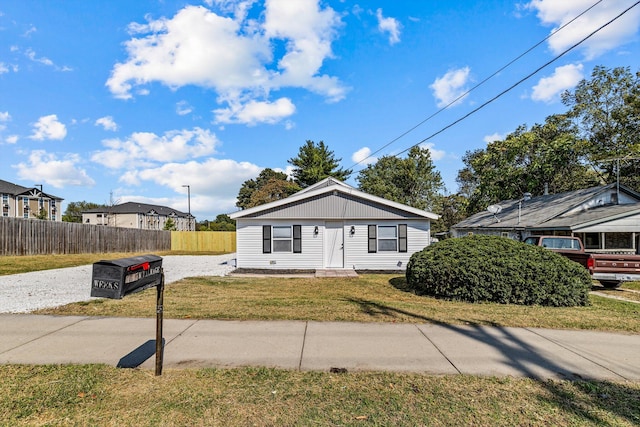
(402,238)
(387,238)
(373,244)
(266,239)
(297,239)
(281,238)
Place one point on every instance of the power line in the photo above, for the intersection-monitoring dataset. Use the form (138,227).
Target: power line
(528,76)
(477,85)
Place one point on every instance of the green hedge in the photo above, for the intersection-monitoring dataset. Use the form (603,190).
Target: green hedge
(496,269)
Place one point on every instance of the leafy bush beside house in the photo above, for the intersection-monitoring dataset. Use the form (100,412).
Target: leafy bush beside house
(497,269)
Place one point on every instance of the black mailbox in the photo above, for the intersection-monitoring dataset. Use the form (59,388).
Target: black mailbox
(119,277)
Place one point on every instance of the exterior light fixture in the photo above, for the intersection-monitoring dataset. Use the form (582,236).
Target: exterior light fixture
(353,230)
(315,230)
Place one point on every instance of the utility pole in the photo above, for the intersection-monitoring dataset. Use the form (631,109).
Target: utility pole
(40,201)
(189,203)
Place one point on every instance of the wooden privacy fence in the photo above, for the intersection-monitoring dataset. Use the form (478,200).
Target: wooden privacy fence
(20,236)
(203,241)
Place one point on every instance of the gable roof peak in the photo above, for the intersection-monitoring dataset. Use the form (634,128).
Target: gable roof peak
(327,182)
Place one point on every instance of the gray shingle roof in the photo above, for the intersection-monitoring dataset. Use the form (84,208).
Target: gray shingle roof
(141,208)
(7,187)
(326,186)
(544,211)
(593,216)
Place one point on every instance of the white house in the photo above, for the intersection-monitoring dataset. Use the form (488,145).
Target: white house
(330,225)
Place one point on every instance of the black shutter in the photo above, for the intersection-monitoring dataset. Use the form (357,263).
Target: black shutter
(297,239)
(266,239)
(402,238)
(373,244)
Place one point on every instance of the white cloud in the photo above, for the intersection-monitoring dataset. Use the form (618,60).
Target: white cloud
(493,137)
(30,31)
(12,139)
(146,149)
(557,13)
(214,183)
(59,173)
(43,60)
(288,170)
(48,127)
(183,108)
(435,154)
(4,117)
(107,123)
(233,55)
(3,68)
(254,112)
(363,155)
(389,25)
(451,86)
(549,88)
(30,53)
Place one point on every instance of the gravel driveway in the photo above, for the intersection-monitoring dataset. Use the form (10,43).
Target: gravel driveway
(21,293)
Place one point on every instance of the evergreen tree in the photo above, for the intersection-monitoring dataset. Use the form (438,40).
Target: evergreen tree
(314,163)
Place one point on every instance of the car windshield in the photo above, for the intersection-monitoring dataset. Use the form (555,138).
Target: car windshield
(560,243)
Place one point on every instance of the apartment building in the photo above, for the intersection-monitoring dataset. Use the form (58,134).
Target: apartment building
(139,215)
(23,202)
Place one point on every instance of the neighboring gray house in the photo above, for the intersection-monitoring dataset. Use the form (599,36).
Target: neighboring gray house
(24,202)
(138,215)
(606,218)
(330,225)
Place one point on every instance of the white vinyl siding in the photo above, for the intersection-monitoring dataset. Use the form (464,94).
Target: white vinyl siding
(358,257)
(249,252)
(249,235)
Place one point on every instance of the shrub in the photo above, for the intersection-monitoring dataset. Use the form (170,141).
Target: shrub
(497,269)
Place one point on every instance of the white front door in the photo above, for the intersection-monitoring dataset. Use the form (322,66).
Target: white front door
(334,244)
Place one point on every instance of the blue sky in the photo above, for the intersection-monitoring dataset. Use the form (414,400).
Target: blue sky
(130,101)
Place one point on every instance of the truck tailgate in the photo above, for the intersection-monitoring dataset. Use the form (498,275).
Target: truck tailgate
(615,263)
(614,269)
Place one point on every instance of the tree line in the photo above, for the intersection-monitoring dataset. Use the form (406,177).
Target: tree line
(594,142)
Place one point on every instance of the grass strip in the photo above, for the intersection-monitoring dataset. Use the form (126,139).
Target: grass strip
(369,298)
(102,395)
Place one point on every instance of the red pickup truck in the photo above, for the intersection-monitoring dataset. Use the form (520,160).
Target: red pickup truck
(609,269)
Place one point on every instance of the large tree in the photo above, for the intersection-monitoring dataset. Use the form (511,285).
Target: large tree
(547,157)
(314,163)
(269,186)
(74,210)
(412,180)
(606,110)
(452,209)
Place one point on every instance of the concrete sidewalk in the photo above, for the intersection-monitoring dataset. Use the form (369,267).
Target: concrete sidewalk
(299,345)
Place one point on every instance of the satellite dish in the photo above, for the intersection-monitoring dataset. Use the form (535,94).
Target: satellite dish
(494,209)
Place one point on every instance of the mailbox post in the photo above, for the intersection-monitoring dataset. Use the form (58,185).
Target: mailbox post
(120,277)
(159,317)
